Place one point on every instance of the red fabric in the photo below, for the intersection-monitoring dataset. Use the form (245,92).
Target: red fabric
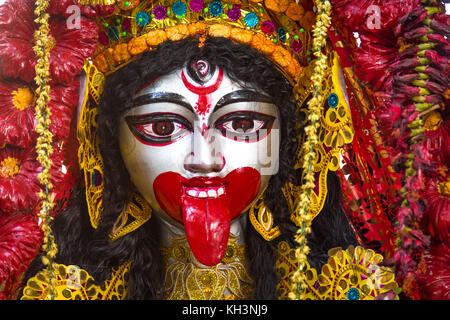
(20,238)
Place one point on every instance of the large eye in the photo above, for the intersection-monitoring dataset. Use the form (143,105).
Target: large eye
(245,126)
(158,128)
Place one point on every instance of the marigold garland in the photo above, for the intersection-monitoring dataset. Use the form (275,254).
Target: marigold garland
(44,141)
(315,110)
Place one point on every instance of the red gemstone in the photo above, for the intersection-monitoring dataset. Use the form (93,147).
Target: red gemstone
(297,46)
(267,27)
(103,38)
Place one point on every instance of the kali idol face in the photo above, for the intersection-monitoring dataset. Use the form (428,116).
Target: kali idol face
(200,148)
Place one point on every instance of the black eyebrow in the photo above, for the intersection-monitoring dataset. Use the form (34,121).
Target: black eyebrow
(242,96)
(155,97)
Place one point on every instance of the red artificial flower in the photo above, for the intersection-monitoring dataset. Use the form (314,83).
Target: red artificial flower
(20,238)
(71,43)
(19,185)
(17,101)
(17,106)
(64,99)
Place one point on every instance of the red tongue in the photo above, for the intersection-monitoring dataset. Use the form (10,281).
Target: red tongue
(207,224)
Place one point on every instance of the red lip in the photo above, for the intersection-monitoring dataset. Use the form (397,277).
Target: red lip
(204,182)
(207,220)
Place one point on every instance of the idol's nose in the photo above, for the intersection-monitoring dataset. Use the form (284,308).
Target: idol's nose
(205,156)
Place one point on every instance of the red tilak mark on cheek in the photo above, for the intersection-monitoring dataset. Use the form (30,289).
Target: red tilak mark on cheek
(203,103)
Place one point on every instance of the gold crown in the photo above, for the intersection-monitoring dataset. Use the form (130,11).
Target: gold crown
(280,29)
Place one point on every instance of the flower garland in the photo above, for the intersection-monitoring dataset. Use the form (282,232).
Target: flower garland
(44,141)
(315,110)
(411,242)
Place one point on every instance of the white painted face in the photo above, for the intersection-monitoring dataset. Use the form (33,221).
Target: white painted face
(195,135)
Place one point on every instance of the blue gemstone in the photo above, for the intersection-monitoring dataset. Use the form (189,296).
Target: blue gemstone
(215,8)
(333,100)
(142,18)
(113,33)
(179,8)
(281,34)
(352,294)
(251,19)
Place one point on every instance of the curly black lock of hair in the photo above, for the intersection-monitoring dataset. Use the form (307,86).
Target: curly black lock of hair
(90,249)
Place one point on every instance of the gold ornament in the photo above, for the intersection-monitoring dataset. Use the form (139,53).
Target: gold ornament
(138,209)
(73,283)
(262,219)
(352,274)
(257,25)
(186,278)
(89,156)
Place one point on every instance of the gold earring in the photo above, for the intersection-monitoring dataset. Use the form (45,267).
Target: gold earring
(139,209)
(262,219)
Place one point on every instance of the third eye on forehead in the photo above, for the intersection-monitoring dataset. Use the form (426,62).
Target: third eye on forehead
(175,98)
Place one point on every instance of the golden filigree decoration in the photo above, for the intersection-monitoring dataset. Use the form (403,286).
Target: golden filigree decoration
(136,213)
(89,156)
(262,219)
(123,45)
(187,279)
(74,283)
(352,274)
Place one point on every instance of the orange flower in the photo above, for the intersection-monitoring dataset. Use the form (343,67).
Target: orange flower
(120,53)
(101,63)
(128,4)
(241,35)
(294,68)
(137,45)
(277,5)
(219,30)
(295,11)
(178,32)
(156,37)
(281,56)
(308,20)
(197,28)
(262,44)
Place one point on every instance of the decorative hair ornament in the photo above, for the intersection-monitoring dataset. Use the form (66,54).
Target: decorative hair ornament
(262,219)
(138,209)
(252,23)
(44,141)
(89,157)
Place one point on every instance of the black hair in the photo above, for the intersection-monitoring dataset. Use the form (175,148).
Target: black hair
(90,248)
